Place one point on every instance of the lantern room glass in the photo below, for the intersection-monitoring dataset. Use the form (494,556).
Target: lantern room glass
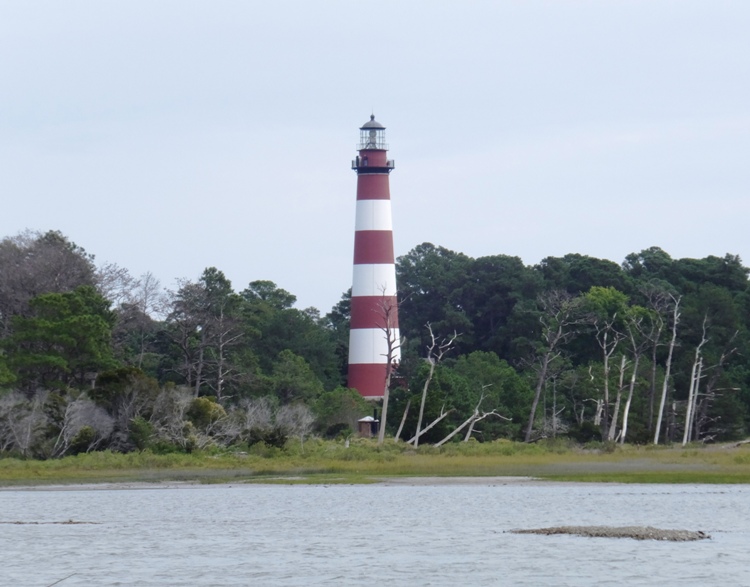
(372,138)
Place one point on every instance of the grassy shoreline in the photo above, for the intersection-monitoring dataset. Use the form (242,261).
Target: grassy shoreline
(364,462)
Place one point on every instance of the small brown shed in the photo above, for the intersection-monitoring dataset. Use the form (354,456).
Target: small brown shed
(368,427)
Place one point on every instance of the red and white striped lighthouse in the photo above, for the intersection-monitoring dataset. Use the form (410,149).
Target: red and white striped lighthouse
(374,312)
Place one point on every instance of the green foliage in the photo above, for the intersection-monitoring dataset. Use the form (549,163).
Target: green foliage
(585,432)
(273,437)
(204,412)
(605,447)
(649,264)
(294,380)
(339,410)
(454,293)
(267,293)
(67,339)
(83,440)
(502,390)
(218,349)
(577,274)
(337,323)
(605,302)
(7,378)
(118,386)
(141,432)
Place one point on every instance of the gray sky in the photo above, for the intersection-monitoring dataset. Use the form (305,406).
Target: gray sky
(169,136)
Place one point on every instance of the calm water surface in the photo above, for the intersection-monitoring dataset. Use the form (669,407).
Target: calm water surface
(374,534)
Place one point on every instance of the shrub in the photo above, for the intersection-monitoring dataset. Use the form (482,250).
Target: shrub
(141,432)
(585,432)
(82,441)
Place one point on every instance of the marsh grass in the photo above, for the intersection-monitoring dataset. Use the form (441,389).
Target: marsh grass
(363,461)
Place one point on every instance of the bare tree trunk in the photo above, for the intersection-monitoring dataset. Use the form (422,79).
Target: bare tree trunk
(560,315)
(424,399)
(468,421)
(693,391)
(388,314)
(616,411)
(537,394)
(226,336)
(470,430)
(386,397)
(659,303)
(631,388)
(711,392)
(693,424)
(475,417)
(403,421)
(668,370)
(608,348)
(199,365)
(435,352)
(555,413)
(605,366)
(414,438)
(598,413)
(652,386)
(476,413)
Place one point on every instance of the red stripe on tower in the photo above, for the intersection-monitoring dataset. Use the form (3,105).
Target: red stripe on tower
(374,311)
(366,308)
(373,246)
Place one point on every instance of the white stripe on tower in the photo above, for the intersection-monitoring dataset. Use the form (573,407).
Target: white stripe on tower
(374,313)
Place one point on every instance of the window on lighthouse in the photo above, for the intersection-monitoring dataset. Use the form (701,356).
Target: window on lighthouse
(373,139)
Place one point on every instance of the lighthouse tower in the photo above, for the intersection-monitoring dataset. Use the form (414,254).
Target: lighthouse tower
(374,313)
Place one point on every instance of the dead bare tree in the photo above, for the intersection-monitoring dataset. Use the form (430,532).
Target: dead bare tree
(443,414)
(389,316)
(403,421)
(659,301)
(79,414)
(639,337)
(618,397)
(33,263)
(295,420)
(560,313)
(114,283)
(476,410)
(151,302)
(695,377)
(700,413)
(22,421)
(256,413)
(475,417)
(226,334)
(170,414)
(668,368)
(608,338)
(436,350)
(251,418)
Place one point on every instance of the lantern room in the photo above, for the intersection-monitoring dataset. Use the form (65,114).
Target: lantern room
(372,136)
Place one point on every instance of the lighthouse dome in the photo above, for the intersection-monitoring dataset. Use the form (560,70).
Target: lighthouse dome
(372,124)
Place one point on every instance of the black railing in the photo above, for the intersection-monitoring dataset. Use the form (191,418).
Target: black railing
(361,163)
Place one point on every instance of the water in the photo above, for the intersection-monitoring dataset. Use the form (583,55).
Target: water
(445,534)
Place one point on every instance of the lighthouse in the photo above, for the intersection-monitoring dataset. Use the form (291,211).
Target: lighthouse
(374,335)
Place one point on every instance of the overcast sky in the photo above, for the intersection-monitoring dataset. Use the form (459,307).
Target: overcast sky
(169,136)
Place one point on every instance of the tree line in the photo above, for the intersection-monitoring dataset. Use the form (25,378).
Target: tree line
(653,350)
